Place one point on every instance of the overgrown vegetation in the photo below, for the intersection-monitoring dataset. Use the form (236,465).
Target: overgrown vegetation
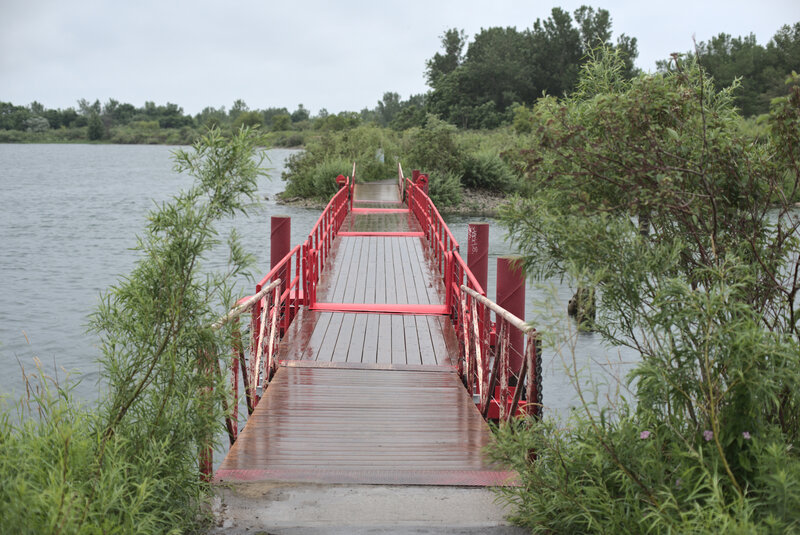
(130,465)
(645,191)
(453,160)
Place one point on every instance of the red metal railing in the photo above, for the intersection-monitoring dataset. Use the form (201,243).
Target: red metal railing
(501,391)
(318,245)
(436,231)
(485,363)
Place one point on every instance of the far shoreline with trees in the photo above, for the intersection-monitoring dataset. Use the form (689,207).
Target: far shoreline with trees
(522,66)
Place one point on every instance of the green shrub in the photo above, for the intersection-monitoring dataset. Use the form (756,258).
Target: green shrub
(130,465)
(433,149)
(647,193)
(319,181)
(374,151)
(444,189)
(487,170)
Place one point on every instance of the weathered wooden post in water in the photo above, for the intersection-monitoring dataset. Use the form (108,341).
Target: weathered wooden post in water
(511,296)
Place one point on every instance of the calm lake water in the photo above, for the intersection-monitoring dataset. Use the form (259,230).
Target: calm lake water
(69,216)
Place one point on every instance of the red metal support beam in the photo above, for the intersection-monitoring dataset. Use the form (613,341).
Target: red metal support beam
(380,210)
(511,296)
(382,308)
(385,234)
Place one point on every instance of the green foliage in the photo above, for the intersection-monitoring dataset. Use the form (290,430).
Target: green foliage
(760,70)
(281,122)
(96,128)
(505,66)
(434,150)
(645,191)
(374,151)
(487,170)
(248,118)
(131,465)
(318,181)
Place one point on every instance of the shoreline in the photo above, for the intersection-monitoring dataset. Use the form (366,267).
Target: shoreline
(474,203)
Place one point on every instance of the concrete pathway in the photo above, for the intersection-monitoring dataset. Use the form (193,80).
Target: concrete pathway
(273,508)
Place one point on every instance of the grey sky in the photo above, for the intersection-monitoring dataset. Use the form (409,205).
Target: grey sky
(338,55)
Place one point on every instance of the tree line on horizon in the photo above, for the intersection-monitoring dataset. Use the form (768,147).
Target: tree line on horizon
(477,84)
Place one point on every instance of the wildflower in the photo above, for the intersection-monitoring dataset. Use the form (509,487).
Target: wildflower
(644,435)
(708,435)
(746,435)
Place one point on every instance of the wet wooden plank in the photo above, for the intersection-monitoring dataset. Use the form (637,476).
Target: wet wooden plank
(376,191)
(363,425)
(341,345)
(355,352)
(371,337)
(398,347)
(384,342)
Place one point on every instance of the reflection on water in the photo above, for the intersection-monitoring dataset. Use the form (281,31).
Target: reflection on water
(69,215)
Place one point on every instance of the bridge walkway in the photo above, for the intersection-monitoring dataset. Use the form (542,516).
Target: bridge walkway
(366,390)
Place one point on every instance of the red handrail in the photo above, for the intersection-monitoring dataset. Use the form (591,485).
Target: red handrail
(437,232)
(318,244)
(484,362)
(485,367)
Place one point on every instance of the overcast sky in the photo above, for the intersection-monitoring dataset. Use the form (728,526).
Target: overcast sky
(338,55)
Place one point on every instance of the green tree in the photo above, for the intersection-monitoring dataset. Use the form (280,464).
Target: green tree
(388,107)
(300,114)
(248,118)
(645,192)
(760,71)
(505,66)
(97,129)
(440,65)
(281,122)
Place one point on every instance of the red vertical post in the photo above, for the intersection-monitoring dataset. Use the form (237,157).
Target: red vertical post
(511,296)
(478,252)
(280,243)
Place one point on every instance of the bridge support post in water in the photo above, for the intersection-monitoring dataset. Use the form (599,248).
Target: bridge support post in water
(478,252)
(280,243)
(511,296)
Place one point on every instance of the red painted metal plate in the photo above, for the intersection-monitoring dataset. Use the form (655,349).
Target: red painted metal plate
(385,234)
(380,210)
(382,308)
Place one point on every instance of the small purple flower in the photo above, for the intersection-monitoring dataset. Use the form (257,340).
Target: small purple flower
(644,435)
(746,435)
(708,435)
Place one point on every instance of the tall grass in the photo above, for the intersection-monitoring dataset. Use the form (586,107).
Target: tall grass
(130,464)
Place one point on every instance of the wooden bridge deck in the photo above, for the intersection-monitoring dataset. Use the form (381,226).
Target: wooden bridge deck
(368,397)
